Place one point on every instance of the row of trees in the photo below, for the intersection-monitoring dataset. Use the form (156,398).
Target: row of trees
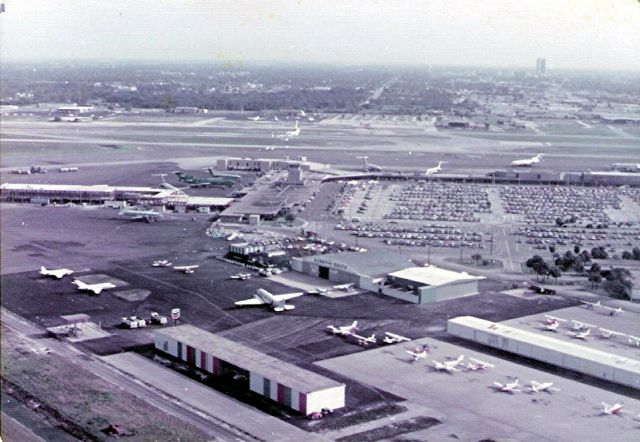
(633,254)
(617,281)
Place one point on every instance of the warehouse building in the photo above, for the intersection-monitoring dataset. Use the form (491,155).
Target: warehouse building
(104,194)
(389,274)
(565,354)
(364,269)
(289,385)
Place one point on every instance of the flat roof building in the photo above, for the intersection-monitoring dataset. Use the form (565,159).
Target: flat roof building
(565,354)
(288,384)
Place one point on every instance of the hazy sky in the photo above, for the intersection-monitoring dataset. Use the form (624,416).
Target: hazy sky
(597,34)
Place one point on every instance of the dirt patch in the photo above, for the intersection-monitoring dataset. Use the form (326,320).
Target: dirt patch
(133,295)
(392,430)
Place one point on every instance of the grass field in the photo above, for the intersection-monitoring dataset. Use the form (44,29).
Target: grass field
(82,400)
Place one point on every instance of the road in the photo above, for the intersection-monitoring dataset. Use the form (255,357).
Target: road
(209,424)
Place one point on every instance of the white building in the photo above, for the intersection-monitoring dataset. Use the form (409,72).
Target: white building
(289,385)
(430,284)
(565,354)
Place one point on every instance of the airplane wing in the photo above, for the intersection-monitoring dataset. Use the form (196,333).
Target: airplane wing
(286,296)
(251,301)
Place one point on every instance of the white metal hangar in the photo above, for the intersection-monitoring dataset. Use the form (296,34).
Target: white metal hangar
(290,385)
(430,284)
(580,358)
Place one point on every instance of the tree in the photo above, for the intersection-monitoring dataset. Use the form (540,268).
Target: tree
(595,268)
(595,279)
(559,222)
(576,249)
(476,257)
(585,256)
(618,283)
(290,217)
(552,249)
(636,253)
(627,255)
(555,273)
(599,253)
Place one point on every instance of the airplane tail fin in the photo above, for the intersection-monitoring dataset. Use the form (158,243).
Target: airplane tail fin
(43,269)
(354,324)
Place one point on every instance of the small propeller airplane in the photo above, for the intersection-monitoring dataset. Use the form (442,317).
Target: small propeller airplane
(613,311)
(392,338)
(256,118)
(186,269)
(344,287)
(478,365)
(527,162)
(364,340)
(343,330)
(609,333)
(448,366)
(550,326)
(538,387)
(581,334)
(277,302)
(434,170)
(612,409)
(510,387)
(634,340)
(55,273)
(553,319)
(420,352)
(577,325)
(240,276)
(161,263)
(94,288)
(591,305)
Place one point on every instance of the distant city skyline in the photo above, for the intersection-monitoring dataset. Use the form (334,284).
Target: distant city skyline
(572,34)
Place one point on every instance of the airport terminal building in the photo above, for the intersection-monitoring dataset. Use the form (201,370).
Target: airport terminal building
(389,274)
(576,357)
(287,384)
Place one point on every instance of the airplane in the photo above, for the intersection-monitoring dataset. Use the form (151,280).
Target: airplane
(215,174)
(148,216)
(609,333)
(343,330)
(613,311)
(477,365)
(344,287)
(295,132)
(580,335)
(161,263)
(277,302)
(392,338)
(270,148)
(205,182)
(591,305)
(57,273)
(511,387)
(420,352)
(434,170)
(186,269)
(528,162)
(166,185)
(365,125)
(95,288)
(552,319)
(448,366)
(612,409)
(240,276)
(633,340)
(364,340)
(538,387)
(367,166)
(550,326)
(256,118)
(577,325)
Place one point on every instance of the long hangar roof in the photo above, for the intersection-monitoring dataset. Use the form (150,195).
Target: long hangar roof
(249,359)
(431,275)
(373,263)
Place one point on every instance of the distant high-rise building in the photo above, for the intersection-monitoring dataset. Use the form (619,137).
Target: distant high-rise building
(541,66)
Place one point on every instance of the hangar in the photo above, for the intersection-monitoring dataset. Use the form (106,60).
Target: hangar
(565,354)
(389,274)
(430,284)
(289,385)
